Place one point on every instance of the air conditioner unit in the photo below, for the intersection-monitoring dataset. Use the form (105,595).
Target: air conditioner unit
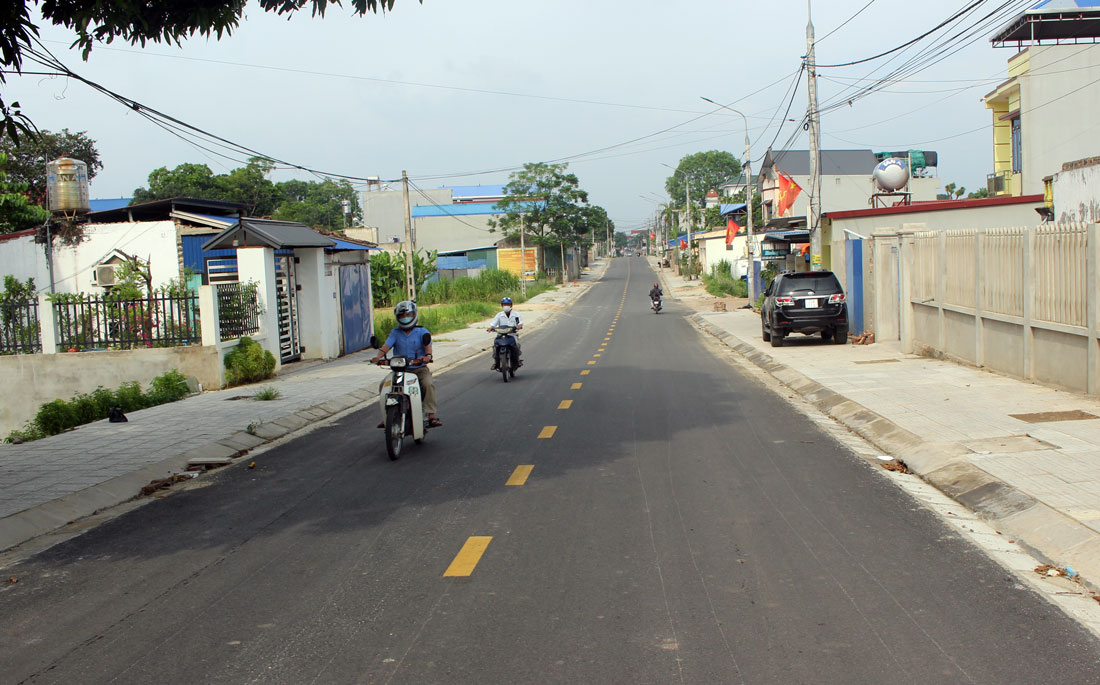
(105,274)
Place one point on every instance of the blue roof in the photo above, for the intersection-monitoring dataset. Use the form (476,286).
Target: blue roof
(476,191)
(730,209)
(1066,4)
(467,209)
(110,203)
(345,245)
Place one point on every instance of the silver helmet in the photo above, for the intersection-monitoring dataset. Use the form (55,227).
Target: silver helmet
(406,314)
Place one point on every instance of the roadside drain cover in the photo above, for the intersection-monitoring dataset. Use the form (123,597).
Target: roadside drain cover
(1006,444)
(1047,416)
(878,361)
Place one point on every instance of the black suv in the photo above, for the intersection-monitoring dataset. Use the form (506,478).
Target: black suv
(804,302)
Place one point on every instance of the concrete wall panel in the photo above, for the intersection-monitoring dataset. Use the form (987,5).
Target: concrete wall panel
(1003,347)
(1060,358)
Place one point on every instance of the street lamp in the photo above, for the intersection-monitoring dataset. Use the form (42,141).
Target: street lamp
(749,188)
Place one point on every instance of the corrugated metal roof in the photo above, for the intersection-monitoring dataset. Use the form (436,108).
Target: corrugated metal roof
(345,245)
(465,209)
(724,209)
(460,192)
(269,233)
(103,205)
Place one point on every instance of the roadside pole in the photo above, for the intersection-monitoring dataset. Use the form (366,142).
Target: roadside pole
(815,147)
(410,277)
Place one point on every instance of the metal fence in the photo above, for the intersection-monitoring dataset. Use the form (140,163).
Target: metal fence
(20,332)
(104,323)
(238,309)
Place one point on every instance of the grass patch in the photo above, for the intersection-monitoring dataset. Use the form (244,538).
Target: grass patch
(440,318)
(267,394)
(725,287)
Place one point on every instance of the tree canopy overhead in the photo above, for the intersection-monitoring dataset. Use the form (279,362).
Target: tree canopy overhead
(703,171)
(96,21)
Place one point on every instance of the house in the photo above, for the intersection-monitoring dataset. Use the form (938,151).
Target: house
(846,182)
(1043,114)
(384,214)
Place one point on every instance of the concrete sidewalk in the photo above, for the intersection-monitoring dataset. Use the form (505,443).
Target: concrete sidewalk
(1024,457)
(50,483)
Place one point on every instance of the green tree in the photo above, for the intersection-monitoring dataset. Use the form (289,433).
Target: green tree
(702,171)
(983,192)
(318,203)
(544,202)
(186,180)
(17,213)
(26,160)
(137,23)
(953,192)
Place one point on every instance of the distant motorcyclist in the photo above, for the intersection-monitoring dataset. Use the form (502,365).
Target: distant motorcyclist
(506,318)
(655,292)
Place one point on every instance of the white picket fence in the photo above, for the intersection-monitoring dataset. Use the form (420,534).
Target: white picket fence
(1022,301)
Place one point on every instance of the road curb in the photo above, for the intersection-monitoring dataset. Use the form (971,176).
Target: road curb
(53,515)
(1045,532)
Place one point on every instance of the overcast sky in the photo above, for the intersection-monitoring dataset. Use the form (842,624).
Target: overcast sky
(453,87)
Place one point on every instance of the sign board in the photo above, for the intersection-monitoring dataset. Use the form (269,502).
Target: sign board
(815,262)
(770,253)
(508,259)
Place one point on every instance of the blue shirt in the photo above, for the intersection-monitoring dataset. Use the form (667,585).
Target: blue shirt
(410,345)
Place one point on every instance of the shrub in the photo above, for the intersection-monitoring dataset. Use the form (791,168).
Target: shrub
(55,417)
(130,397)
(169,387)
(248,362)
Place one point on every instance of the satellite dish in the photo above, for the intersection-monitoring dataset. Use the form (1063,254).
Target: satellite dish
(891,174)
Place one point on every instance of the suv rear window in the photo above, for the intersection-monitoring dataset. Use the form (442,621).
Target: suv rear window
(816,282)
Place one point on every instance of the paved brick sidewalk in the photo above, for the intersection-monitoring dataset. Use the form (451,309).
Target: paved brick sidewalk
(48,483)
(953,425)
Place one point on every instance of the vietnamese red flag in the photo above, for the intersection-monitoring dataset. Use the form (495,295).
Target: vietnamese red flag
(683,244)
(786,194)
(732,229)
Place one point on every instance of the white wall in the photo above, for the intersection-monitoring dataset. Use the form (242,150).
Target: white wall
(385,210)
(1060,99)
(22,258)
(448,233)
(1077,194)
(844,193)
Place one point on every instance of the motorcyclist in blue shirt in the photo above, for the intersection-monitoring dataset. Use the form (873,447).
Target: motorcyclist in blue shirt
(407,340)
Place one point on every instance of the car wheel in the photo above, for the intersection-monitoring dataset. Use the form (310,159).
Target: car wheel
(764,331)
(777,339)
(840,335)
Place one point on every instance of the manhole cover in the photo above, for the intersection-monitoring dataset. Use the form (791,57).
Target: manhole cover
(878,361)
(1047,416)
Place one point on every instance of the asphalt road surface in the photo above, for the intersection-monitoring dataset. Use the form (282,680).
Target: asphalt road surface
(630,509)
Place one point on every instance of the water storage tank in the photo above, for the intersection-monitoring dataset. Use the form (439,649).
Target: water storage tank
(891,174)
(67,186)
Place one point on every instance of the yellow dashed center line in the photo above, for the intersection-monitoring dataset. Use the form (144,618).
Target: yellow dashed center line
(576,386)
(547,432)
(467,558)
(591,363)
(565,404)
(586,372)
(520,475)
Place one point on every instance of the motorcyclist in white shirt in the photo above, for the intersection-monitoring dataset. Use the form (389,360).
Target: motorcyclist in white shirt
(507,317)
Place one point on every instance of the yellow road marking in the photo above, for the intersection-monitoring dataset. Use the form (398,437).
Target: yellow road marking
(585,372)
(565,404)
(467,558)
(601,349)
(576,386)
(547,431)
(596,355)
(520,475)
(591,363)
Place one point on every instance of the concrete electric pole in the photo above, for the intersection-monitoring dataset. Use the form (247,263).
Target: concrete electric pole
(410,249)
(814,220)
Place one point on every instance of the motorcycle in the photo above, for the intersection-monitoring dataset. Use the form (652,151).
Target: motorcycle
(400,402)
(655,303)
(504,351)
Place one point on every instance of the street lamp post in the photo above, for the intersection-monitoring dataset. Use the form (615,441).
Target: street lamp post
(750,187)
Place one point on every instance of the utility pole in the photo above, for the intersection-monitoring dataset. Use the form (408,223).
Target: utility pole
(522,261)
(815,147)
(691,224)
(410,249)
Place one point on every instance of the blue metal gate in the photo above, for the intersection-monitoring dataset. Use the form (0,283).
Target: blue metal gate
(853,264)
(355,307)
